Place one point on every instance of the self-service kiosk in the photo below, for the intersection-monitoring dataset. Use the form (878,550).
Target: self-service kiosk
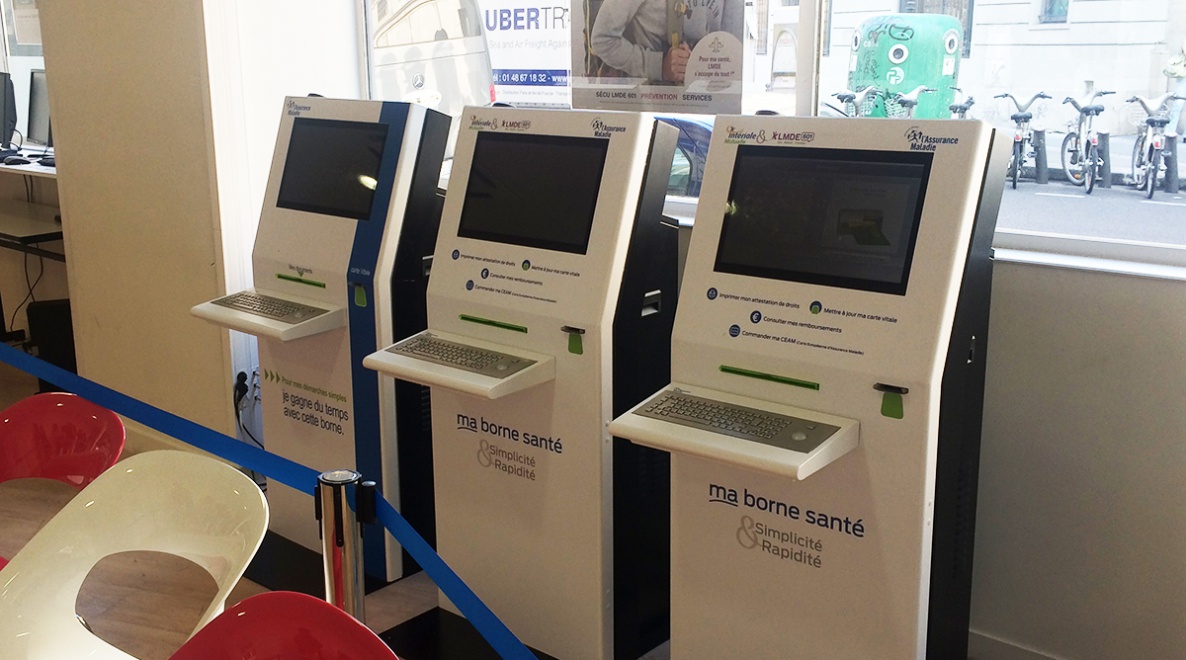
(827,387)
(349,221)
(550,311)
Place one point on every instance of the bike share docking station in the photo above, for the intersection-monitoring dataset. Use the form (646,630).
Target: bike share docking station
(825,408)
(549,311)
(349,217)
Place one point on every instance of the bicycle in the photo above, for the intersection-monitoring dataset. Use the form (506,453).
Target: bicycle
(960,110)
(857,100)
(1081,159)
(1148,150)
(907,102)
(1022,134)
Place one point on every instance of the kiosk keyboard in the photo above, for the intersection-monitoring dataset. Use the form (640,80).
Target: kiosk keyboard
(279,309)
(770,428)
(478,360)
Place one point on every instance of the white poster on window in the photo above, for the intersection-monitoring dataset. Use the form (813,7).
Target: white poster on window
(663,55)
(529,51)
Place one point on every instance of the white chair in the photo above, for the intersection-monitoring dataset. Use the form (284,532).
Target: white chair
(173,502)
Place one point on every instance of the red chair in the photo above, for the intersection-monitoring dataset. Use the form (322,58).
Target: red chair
(284,624)
(58,436)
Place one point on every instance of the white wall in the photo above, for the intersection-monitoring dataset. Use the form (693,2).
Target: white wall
(258,53)
(136,182)
(1081,529)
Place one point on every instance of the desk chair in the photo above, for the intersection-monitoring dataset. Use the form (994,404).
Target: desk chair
(284,624)
(58,436)
(173,502)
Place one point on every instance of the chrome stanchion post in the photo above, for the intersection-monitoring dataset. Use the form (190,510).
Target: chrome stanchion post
(341,542)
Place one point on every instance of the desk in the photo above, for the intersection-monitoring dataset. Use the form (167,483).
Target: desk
(32,169)
(24,225)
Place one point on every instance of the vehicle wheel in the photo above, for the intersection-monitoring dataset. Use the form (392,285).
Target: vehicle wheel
(1091,167)
(1138,162)
(1015,162)
(1151,178)
(1072,162)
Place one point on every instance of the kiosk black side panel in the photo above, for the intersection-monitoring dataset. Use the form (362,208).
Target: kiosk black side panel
(413,421)
(961,414)
(643,323)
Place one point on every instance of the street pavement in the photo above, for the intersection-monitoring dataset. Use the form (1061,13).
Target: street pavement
(1120,212)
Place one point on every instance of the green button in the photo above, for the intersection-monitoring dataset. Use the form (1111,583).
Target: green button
(891,405)
(575,345)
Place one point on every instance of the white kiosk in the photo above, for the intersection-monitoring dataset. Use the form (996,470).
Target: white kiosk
(349,218)
(827,388)
(549,311)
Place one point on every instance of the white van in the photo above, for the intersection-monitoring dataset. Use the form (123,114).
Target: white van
(431,52)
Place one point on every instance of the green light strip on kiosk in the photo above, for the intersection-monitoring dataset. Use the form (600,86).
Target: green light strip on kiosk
(301,280)
(493,323)
(770,377)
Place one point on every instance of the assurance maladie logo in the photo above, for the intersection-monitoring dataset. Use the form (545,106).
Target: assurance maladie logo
(920,141)
(604,130)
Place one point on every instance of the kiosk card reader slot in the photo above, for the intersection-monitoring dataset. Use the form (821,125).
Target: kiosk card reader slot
(349,214)
(544,322)
(823,503)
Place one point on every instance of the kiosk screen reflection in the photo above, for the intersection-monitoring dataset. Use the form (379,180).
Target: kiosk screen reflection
(332,167)
(533,190)
(834,217)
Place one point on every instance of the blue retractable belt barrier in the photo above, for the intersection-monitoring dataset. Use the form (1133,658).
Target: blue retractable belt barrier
(287,472)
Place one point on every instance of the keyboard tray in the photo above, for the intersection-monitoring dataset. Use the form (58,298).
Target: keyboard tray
(523,369)
(319,317)
(800,441)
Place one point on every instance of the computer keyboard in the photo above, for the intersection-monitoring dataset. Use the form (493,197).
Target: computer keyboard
(478,360)
(771,428)
(278,309)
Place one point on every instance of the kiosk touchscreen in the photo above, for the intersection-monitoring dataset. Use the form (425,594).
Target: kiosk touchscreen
(550,311)
(827,387)
(349,219)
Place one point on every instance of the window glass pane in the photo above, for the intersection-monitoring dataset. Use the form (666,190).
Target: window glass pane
(772,35)
(1075,49)
(425,51)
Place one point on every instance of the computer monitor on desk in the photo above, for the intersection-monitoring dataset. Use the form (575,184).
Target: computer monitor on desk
(8,115)
(37,130)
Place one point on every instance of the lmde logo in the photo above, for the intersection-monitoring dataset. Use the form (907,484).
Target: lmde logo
(516,125)
(734,135)
(801,137)
(602,129)
(477,123)
(920,141)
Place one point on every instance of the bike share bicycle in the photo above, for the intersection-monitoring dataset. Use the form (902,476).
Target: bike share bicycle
(1149,150)
(859,102)
(960,110)
(1023,135)
(1081,159)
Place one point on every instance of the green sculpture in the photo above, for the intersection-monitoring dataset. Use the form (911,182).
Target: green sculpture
(898,53)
